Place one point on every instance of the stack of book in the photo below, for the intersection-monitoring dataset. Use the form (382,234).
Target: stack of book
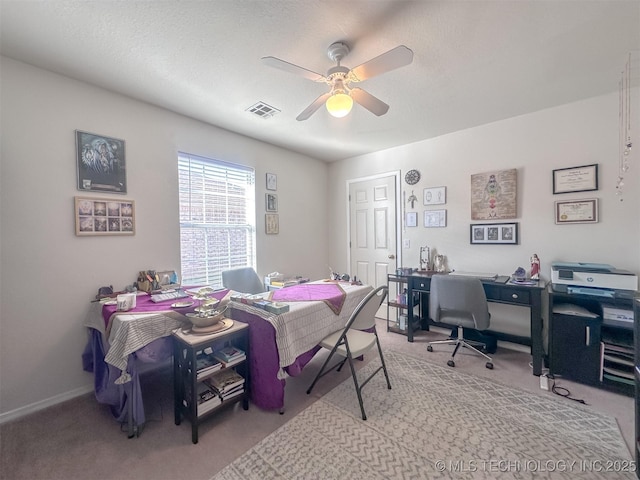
(206,364)
(207,399)
(230,355)
(226,383)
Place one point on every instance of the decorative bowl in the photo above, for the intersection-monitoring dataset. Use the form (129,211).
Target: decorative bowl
(202,320)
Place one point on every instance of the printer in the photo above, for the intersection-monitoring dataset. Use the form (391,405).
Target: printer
(591,278)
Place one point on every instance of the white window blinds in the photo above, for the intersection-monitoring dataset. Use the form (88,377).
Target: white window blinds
(217,218)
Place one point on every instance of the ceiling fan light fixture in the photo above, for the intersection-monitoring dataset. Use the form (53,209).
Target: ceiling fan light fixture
(339,104)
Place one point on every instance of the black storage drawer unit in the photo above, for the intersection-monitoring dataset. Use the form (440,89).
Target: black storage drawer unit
(574,347)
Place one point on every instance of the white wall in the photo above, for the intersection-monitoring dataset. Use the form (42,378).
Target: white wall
(580,133)
(48,274)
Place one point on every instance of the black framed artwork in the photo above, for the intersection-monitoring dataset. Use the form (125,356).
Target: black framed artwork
(100,163)
(575,179)
(494,233)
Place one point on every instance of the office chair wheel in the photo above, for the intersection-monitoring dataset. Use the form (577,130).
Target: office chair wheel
(451,363)
(489,365)
(429,348)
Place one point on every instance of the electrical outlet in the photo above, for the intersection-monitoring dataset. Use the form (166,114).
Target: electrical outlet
(406,243)
(544,382)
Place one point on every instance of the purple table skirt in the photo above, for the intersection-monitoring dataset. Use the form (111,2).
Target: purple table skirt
(125,398)
(266,390)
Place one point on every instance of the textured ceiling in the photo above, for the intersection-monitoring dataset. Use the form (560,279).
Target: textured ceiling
(475,62)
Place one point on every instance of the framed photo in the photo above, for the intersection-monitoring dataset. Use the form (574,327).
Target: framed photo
(435,218)
(104,216)
(271,202)
(575,179)
(435,195)
(272,181)
(412,219)
(100,163)
(494,195)
(494,233)
(271,224)
(577,211)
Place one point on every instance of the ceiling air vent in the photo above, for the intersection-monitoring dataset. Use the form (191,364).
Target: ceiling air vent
(263,110)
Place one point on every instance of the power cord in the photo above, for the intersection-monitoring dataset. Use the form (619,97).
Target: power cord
(558,390)
(562,391)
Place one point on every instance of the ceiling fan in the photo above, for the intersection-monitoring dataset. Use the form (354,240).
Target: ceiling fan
(339,100)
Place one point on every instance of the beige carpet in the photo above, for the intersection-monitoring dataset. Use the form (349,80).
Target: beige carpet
(437,423)
(80,440)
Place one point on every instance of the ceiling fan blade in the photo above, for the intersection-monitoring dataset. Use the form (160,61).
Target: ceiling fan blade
(368,101)
(311,109)
(291,68)
(394,58)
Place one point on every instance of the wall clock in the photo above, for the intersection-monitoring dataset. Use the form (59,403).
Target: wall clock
(412,177)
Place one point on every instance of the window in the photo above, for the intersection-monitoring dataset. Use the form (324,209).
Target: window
(217,218)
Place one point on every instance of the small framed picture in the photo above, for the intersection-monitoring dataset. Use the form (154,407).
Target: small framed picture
(412,219)
(575,179)
(494,233)
(271,224)
(577,211)
(100,163)
(271,202)
(104,216)
(272,181)
(435,196)
(435,218)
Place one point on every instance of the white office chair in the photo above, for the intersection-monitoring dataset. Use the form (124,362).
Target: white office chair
(354,340)
(243,280)
(459,301)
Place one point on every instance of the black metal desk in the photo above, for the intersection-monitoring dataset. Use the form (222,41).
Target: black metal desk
(521,295)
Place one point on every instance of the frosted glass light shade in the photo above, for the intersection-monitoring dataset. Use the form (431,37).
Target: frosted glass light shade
(339,104)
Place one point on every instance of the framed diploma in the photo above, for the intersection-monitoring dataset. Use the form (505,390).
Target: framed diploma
(575,179)
(577,211)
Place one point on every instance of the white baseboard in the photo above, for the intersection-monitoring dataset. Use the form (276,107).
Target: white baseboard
(42,404)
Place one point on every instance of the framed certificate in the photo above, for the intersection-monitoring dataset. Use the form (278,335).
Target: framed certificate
(577,211)
(575,179)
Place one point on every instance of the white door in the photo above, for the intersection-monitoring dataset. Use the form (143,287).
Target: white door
(372,229)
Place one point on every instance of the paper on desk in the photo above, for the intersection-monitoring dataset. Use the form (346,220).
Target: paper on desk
(571,309)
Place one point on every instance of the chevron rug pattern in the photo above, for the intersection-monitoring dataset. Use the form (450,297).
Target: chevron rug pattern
(437,422)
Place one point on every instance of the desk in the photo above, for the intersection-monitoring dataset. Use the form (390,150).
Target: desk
(521,295)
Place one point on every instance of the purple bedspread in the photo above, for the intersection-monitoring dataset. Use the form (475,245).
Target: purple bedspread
(330,293)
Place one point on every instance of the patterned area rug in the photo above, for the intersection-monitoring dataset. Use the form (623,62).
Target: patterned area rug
(437,423)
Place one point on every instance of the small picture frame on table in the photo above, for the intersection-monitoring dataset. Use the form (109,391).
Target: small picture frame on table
(494,233)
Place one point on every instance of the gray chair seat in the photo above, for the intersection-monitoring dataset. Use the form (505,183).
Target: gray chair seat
(462,302)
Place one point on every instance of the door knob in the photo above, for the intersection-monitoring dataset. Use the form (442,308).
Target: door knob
(392,256)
